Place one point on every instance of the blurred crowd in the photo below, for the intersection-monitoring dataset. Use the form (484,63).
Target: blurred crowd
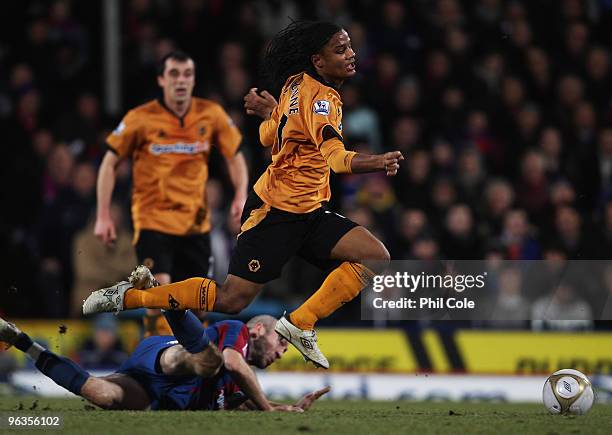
(503,110)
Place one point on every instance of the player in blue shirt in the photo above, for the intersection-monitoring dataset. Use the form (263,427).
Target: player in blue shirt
(197,368)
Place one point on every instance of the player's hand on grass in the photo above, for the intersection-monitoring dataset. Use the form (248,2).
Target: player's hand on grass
(306,402)
(391,162)
(261,104)
(287,408)
(105,230)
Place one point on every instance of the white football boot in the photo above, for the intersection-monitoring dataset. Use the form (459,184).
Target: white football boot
(304,341)
(106,300)
(8,332)
(141,278)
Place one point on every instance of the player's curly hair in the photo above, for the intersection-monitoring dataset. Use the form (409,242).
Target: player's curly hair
(289,52)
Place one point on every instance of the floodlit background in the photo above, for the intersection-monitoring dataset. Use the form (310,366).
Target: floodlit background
(503,110)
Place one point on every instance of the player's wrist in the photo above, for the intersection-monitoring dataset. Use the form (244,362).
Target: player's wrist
(381,164)
(103,215)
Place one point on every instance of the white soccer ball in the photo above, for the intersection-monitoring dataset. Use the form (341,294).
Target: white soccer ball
(568,391)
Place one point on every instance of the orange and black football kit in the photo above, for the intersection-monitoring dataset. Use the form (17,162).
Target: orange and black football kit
(286,214)
(170,169)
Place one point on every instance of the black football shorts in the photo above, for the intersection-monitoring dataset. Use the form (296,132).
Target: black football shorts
(180,256)
(271,237)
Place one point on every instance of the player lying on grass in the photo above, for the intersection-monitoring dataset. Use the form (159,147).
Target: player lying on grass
(286,213)
(197,368)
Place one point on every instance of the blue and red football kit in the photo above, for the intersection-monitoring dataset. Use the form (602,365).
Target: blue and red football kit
(188,392)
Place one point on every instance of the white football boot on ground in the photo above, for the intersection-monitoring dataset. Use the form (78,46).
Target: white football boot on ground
(304,341)
(141,278)
(106,300)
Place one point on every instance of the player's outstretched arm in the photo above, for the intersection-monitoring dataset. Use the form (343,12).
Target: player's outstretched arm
(246,379)
(342,161)
(387,162)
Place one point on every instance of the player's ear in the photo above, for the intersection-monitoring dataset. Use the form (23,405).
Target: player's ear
(317,60)
(257,331)
(160,81)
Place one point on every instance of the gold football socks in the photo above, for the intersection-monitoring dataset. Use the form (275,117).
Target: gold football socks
(341,286)
(193,293)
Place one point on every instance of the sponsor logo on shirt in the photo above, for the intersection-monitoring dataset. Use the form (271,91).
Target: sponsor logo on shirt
(179,148)
(321,107)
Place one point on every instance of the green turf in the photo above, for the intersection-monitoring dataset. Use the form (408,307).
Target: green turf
(327,417)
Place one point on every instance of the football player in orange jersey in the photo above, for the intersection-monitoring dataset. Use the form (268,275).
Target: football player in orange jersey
(169,141)
(286,213)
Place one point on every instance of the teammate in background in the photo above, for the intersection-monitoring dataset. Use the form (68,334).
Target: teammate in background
(169,141)
(196,369)
(285,214)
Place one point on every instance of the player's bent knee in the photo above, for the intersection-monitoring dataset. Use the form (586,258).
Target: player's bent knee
(384,255)
(378,252)
(378,258)
(231,303)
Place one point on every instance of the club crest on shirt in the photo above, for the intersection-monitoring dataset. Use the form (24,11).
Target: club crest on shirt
(321,107)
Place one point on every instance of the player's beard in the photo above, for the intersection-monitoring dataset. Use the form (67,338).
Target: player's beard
(257,353)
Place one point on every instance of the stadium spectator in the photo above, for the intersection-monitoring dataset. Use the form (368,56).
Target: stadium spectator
(412,183)
(459,240)
(95,264)
(517,237)
(572,235)
(533,187)
(104,350)
(511,308)
(561,309)
(499,197)
(412,224)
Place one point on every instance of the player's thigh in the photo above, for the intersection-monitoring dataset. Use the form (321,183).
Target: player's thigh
(156,250)
(334,238)
(192,257)
(360,245)
(235,294)
(115,391)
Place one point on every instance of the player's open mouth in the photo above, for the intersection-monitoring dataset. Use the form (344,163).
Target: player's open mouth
(181,91)
(351,67)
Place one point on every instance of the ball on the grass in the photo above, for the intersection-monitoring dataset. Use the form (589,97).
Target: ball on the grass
(568,391)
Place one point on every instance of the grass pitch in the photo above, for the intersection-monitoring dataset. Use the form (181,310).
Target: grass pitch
(326,417)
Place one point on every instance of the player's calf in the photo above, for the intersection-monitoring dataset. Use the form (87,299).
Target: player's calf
(61,370)
(115,391)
